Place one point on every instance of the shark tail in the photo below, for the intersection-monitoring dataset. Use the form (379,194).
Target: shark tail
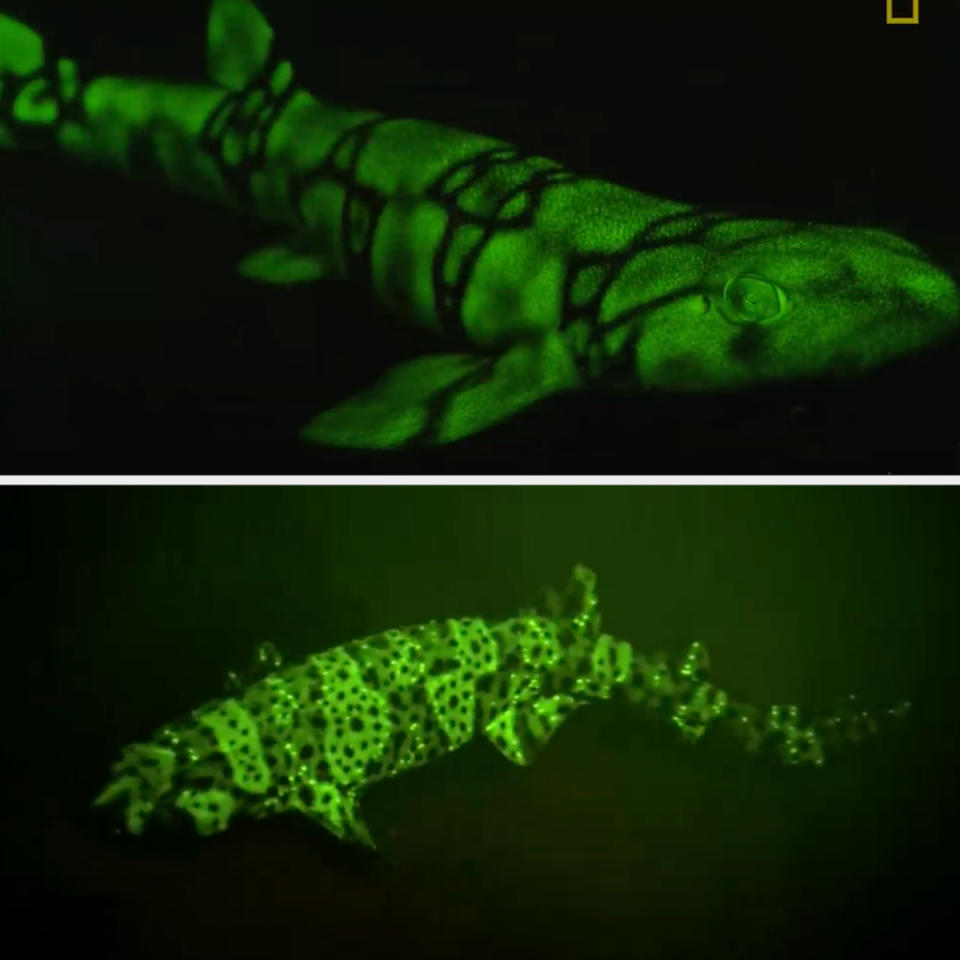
(39,91)
(25,81)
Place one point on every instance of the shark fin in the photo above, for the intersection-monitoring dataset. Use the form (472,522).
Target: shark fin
(282,263)
(520,731)
(442,397)
(336,809)
(21,48)
(239,41)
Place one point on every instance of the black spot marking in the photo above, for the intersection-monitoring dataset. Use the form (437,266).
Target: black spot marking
(356,724)
(306,796)
(750,344)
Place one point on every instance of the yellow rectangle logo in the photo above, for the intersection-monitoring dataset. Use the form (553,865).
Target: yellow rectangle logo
(914,18)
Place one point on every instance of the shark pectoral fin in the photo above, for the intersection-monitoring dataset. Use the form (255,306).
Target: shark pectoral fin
(337,810)
(399,407)
(238,42)
(283,263)
(521,732)
(443,397)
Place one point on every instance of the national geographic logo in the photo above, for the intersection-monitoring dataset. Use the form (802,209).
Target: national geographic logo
(903,11)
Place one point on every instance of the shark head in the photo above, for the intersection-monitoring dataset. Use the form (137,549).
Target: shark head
(167,780)
(764,300)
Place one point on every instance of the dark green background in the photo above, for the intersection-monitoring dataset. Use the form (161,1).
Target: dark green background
(128,344)
(125,607)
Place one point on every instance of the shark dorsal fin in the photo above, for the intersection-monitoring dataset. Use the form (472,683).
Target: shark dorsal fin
(21,49)
(238,42)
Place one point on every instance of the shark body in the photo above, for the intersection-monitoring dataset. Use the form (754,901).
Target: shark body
(541,279)
(311,737)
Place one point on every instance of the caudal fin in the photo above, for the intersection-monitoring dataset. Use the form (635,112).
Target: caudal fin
(22,58)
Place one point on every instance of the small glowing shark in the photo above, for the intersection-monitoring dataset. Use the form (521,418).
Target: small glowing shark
(539,279)
(310,737)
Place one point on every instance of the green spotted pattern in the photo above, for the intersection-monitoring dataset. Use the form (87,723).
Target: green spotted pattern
(312,736)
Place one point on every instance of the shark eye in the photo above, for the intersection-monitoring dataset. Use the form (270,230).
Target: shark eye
(749,299)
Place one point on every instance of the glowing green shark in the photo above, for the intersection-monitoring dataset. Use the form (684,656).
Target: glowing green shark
(546,281)
(311,737)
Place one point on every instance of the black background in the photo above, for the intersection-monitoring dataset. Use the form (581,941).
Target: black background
(130,345)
